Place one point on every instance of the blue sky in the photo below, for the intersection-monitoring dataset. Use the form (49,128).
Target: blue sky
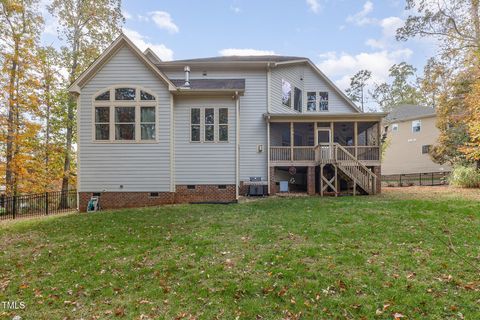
(340,36)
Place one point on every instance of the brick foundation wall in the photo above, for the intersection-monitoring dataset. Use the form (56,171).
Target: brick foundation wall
(201,193)
(204,193)
(116,200)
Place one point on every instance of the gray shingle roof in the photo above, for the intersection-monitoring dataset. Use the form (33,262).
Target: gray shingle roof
(212,84)
(267,58)
(408,111)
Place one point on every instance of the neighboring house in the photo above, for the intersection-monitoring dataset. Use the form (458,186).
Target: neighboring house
(410,134)
(153,132)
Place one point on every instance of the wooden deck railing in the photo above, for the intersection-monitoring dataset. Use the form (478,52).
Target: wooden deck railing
(324,153)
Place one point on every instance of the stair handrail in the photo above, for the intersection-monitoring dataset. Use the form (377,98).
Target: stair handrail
(348,154)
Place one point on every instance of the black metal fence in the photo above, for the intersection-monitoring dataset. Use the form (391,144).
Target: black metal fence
(39,204)
(415,179)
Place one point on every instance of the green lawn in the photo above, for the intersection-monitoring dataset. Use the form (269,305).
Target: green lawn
(302,258)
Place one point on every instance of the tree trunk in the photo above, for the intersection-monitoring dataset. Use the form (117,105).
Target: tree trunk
(9,174)
(69,134)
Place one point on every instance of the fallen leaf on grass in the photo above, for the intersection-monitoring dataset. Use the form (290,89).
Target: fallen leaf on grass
(398,316)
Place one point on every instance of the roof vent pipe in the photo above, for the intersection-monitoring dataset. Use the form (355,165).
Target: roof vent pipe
(187,76)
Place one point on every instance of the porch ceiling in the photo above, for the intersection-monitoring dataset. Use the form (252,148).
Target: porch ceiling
(301,117)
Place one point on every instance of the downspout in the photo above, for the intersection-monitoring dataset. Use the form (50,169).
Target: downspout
(172,146)
(269,75)
(237,145)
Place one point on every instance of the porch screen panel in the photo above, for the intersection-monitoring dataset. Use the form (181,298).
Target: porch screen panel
(344,133)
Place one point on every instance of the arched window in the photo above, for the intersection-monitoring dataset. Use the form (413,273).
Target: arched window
(125,114)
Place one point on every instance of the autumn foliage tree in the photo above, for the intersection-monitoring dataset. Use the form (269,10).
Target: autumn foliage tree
(86,27)
(20,25)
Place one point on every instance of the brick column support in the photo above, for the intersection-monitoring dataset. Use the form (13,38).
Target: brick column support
(311,180)
(378,172)
(273,185)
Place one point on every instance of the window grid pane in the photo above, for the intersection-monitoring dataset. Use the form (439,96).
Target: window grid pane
(195,133)
(146,96)
(223,116)
(223,132)
(103,96)
(102,131)
(195,116)
(125,94)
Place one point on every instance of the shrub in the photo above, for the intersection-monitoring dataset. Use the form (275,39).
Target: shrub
(466,177)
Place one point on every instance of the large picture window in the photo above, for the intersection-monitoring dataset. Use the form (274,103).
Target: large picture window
(125,114)
(286,93)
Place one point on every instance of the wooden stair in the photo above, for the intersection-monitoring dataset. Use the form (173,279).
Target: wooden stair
(344,161)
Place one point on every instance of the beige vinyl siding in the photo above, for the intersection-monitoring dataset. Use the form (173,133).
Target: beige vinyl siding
(312,81)
(404,151)
(203,162)
(253,104)
(136,166)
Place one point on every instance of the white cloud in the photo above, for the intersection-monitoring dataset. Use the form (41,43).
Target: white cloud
(314,5)
(142,42)
(163,20)
(245,52)
(126,14)
(361,18)
(343,66)
(235,9)
(389,29)
(142,18)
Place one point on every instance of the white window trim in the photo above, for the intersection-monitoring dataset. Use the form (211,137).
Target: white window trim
(420,122)
(216,124)
(137,103)
(317,101)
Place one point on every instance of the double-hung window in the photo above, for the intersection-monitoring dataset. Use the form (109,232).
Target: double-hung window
(223,124)
(323,103)
(125,114)
(311,101)
(297,99)
(209,124)
(416,126)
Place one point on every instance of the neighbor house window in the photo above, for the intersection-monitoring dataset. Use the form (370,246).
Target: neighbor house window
(394,127)
(209,124)
(286,93)
(311,101)
(416,125)
(125,114)
(223,124)
(323,101)
(195,124)
(426,149)
(297,99)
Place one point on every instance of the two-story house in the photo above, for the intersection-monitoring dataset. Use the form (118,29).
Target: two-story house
(411,132)
(153,132)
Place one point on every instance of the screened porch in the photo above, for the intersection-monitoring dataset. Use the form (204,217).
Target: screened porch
(297,143)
